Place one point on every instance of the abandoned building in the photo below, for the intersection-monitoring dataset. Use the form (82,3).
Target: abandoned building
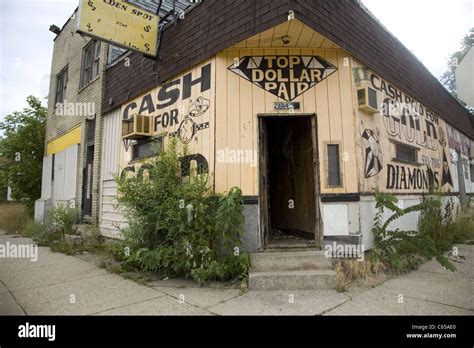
(307,106)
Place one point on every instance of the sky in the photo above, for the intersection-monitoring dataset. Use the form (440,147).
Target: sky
(431,29)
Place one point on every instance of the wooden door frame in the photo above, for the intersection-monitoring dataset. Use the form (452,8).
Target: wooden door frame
(263,179)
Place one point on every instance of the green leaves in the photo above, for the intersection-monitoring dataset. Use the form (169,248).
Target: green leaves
(177,226)
(405,250)
(22,149)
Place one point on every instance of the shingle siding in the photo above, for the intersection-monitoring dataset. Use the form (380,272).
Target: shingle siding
(206,30)
(348,25)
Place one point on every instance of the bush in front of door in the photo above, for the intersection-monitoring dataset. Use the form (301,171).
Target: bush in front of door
(177,227)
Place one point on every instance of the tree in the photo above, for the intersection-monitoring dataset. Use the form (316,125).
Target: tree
(448,79)
(21,149)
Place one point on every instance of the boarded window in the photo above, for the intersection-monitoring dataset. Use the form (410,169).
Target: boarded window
(145,148)
(90,62)
(406,153)
(334,165)
(61,82)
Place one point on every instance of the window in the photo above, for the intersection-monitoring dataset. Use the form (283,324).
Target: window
(334,165)
(406,153)
(90,62)
(61,82)
(52,167)
(145,148)
(115,53)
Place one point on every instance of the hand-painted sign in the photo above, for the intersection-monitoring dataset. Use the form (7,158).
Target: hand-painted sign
(188,128)
(120,23)
(406,122)
(202,167)
(458,141)
(168,94)
(158,103)
(373,153)
(287,77)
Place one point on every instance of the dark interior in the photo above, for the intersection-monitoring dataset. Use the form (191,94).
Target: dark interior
(290,179)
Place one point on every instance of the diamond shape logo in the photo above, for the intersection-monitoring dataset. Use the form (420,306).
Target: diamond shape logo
(287,77)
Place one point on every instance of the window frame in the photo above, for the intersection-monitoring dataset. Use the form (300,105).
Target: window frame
(90,64)
(471,169)
(62,77)
(327,167)
(157,140)
(407,146)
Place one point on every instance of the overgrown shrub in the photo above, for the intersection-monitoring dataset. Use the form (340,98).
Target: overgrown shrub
(60,221)
(402,251)
(177,226)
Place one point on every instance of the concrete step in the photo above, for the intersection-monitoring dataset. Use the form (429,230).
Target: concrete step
(293,280)
(289,261)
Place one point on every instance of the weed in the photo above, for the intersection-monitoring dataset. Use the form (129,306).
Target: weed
(13,217)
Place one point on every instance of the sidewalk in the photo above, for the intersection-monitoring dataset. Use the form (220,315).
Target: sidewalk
(61,284)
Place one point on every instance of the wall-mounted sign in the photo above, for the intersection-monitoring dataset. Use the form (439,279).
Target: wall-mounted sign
(119,23)
(287,77)
(286,105)
(160,105)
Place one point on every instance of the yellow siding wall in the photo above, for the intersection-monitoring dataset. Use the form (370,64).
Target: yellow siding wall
(72,137)
(238,102)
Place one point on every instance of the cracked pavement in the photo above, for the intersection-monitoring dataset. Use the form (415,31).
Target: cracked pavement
(58,284)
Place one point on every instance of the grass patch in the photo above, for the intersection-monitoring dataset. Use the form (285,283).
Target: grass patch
(354,272)
(13,217)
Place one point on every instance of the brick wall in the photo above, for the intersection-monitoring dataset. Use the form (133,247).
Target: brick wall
(68,47)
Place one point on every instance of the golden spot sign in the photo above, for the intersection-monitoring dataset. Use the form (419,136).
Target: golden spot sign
(119,23)
(287,77)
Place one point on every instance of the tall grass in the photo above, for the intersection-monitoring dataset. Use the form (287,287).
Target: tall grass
(13,217)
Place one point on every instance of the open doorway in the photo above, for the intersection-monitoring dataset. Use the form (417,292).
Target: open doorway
(287,189)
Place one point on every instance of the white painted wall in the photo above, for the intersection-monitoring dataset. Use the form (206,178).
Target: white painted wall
(111,218)
(65,174)
(111,142)
(46,185)
(70,172)
(405,223)
(465,78)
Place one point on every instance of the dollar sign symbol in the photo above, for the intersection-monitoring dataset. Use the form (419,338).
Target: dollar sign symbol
(89,29)
(147,28)
(147,47)
(91,4)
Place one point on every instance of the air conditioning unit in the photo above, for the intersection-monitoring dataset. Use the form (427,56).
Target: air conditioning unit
(367,100)
(137,127)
